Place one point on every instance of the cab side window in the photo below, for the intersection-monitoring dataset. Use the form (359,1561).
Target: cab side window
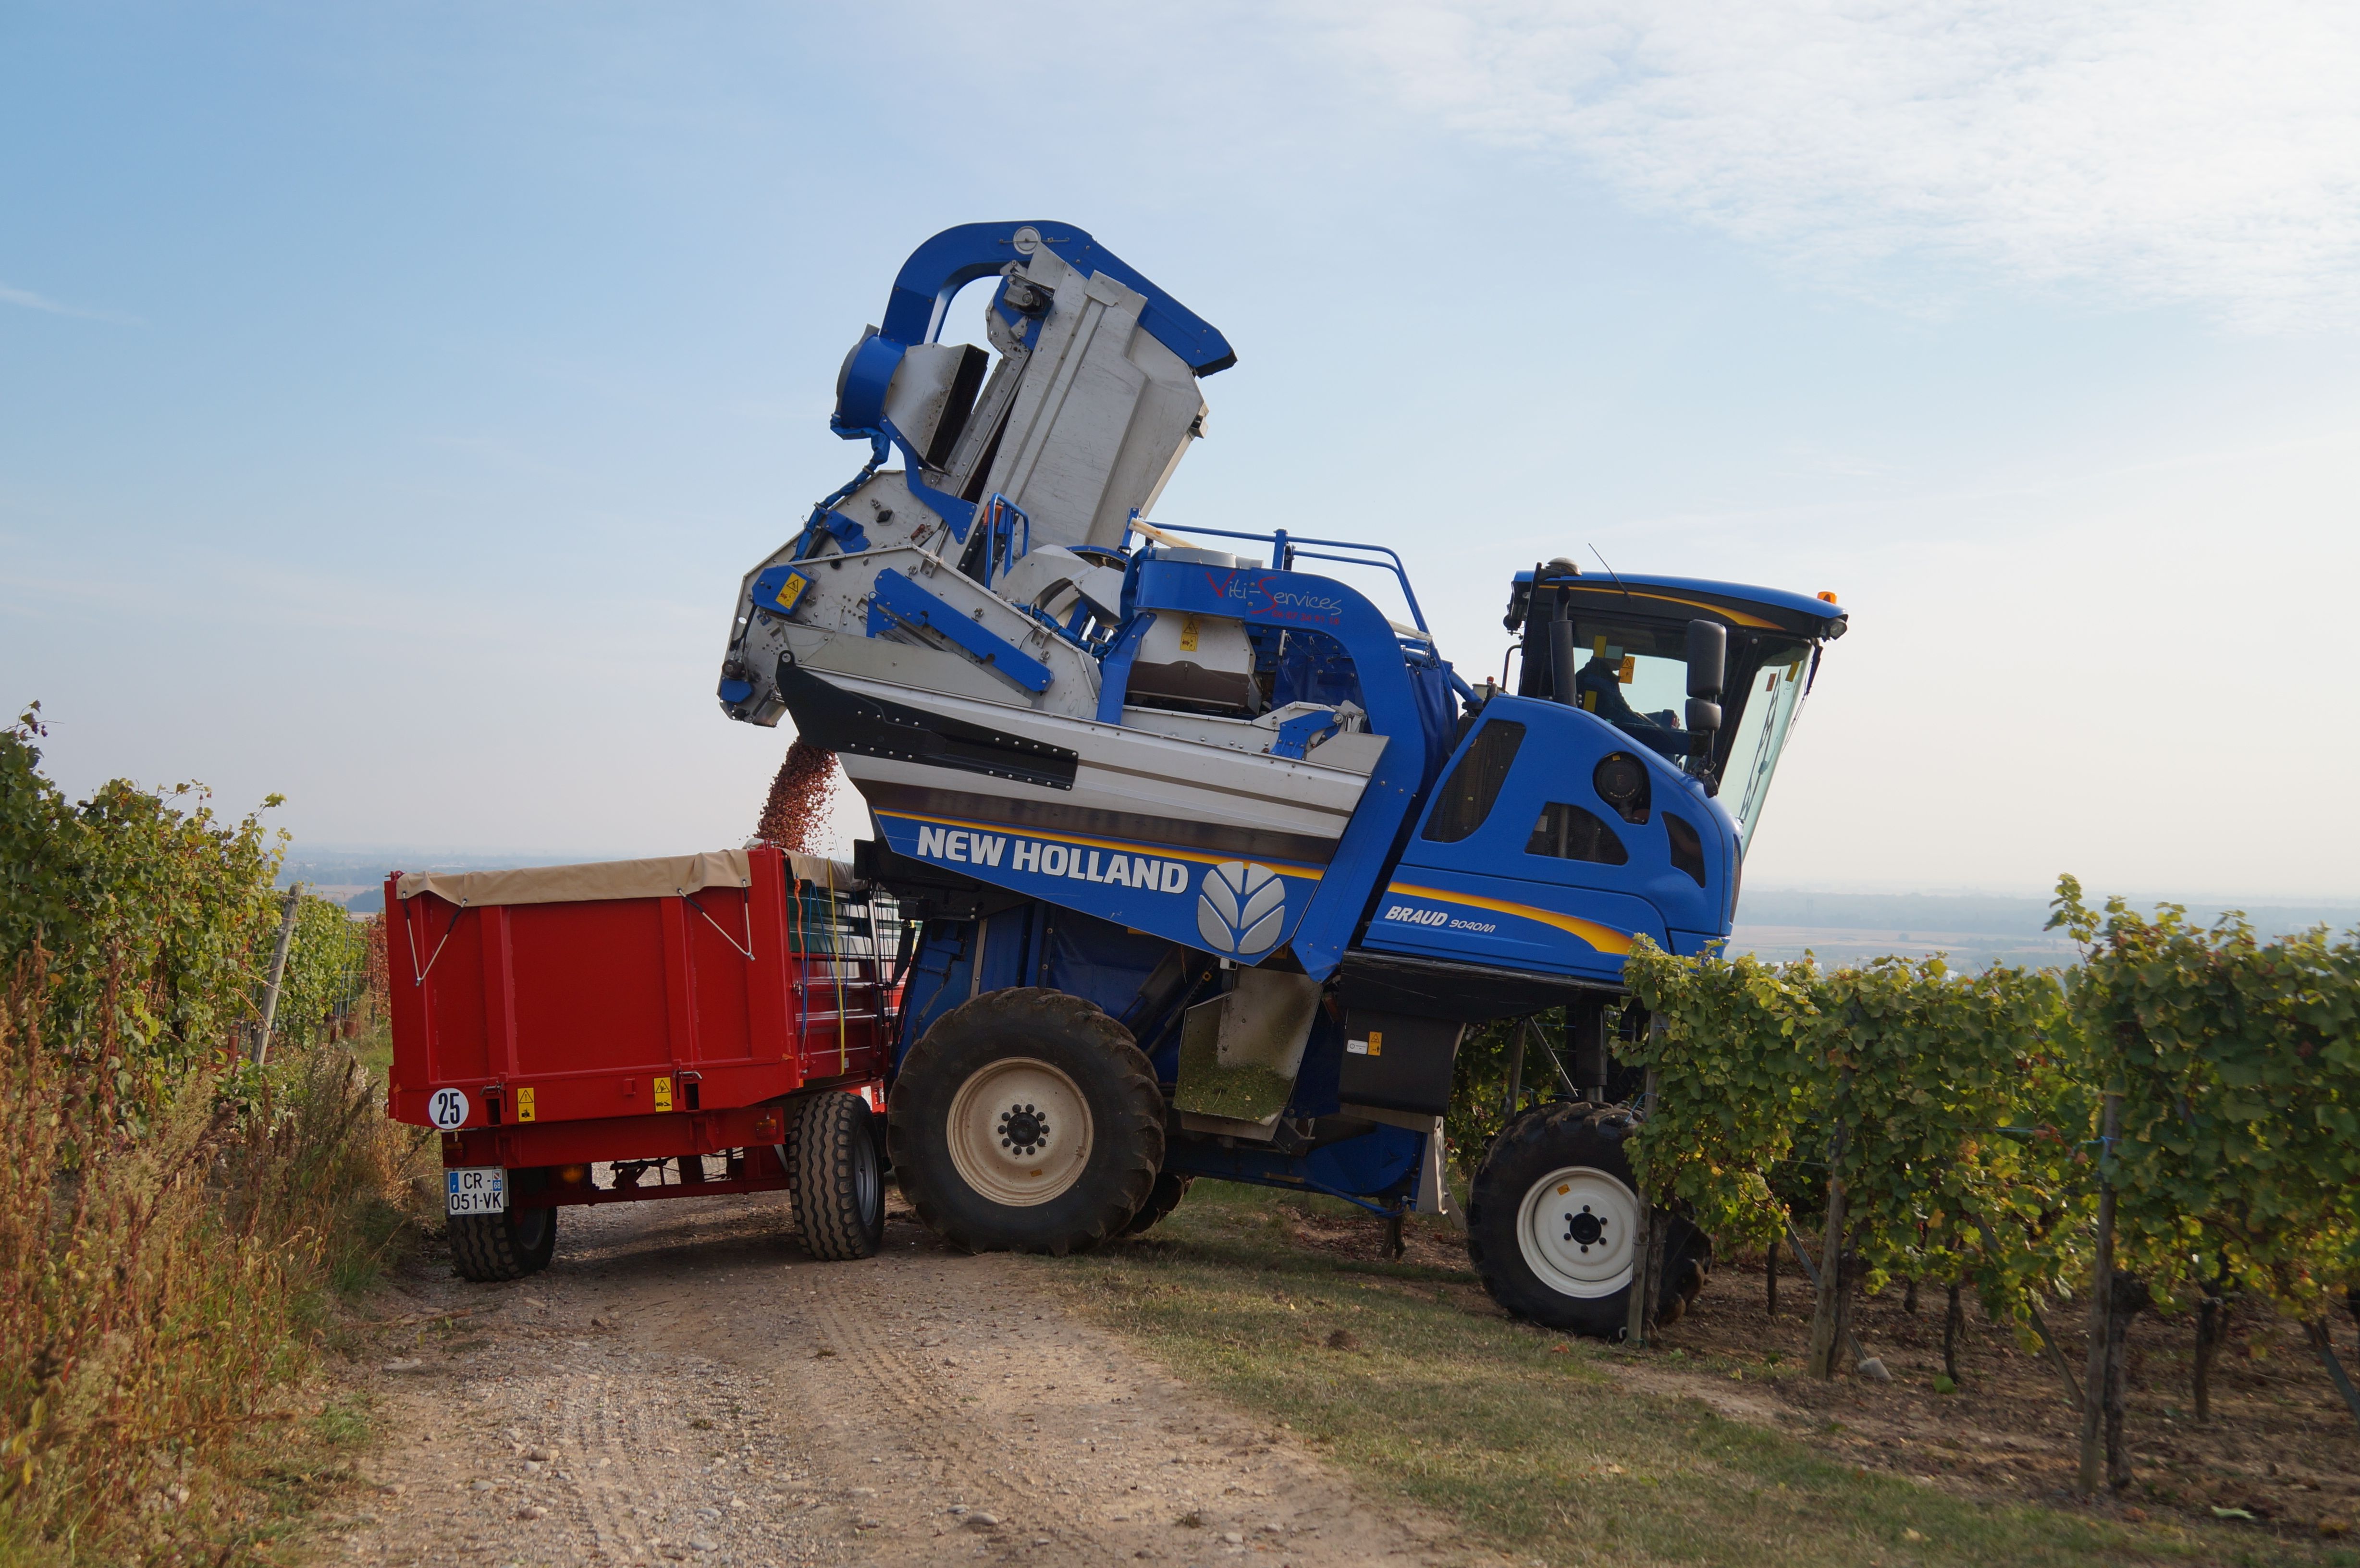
(1568,833)
(1467,796)
(1688,846)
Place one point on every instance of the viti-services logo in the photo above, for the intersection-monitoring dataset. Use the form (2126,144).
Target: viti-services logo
(1240,908)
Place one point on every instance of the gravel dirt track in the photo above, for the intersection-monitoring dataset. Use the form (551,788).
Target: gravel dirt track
(683,1384)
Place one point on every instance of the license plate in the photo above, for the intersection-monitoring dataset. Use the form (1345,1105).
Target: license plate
(476,1190)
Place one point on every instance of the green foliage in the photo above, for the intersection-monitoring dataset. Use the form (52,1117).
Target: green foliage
(1730,1048)
(1479,1092)
(2238,1062)
(1953,1089)
(149,908)
(1968,1105)
(327,968)
(1949,1090)
(175,1217)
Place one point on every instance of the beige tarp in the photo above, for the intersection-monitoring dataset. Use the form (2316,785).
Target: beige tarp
(660,878)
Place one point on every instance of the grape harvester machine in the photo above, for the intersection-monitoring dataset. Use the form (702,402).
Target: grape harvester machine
(1211,863)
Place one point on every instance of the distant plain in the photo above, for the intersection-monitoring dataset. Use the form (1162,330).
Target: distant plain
(1969,929)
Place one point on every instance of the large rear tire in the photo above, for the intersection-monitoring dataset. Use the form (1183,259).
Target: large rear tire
(1553,1223)
(839,1190)
(488,1249)
(1026,1121)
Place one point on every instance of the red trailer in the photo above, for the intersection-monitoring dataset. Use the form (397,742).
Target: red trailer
(630,1020)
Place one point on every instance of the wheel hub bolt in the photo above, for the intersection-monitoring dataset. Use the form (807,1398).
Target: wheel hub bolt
(1584,1228)
(1023,1129)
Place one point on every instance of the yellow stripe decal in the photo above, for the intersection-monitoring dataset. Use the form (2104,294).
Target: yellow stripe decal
(1291,868)
(1740,617)
(1605,939)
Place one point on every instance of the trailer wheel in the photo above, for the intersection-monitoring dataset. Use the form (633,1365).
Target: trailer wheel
(839,1193)
(1026,1121)
(1161,1200)
(491,1247)
(1553,1223)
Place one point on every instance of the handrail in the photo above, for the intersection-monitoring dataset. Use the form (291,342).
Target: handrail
(1407,592)
(1285,546)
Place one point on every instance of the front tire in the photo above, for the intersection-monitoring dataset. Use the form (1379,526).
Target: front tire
(1026,1121)
(1553,1223)
(839,1188)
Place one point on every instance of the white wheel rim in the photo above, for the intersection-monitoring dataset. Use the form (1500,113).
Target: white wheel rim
(1020,1132)
(1577,1228)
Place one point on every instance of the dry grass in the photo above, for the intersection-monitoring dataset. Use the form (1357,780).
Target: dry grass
(1554,1452)
(165,1282)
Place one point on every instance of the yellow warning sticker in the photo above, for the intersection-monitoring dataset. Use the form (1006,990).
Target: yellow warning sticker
(524,1104)
(664,1093)
(791,590)
(1188,634)
(1376,1042)
(1628,670)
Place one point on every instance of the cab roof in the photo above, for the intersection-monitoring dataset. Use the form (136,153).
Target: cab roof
(1743,606)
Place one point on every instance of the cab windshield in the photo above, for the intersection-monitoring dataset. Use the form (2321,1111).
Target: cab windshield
(1771,697)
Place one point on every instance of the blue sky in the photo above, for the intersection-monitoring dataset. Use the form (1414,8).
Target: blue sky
(391,397)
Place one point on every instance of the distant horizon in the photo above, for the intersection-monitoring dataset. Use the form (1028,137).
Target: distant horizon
(426,855)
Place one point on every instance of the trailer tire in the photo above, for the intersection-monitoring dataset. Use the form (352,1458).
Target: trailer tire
(839,1190)
(1161,1200)
(487,1249)
(1068,1162)
(1572,1150)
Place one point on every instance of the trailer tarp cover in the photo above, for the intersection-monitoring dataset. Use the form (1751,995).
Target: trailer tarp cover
(663,878)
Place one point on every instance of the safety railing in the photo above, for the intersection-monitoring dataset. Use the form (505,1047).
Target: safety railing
(1286,548)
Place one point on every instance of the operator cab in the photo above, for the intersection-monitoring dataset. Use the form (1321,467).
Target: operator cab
(1629,641)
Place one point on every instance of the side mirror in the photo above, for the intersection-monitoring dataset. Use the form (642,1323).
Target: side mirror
(1708,667)
(1708,662)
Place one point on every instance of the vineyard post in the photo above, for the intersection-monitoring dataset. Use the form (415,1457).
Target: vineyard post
(1954,1328)
(2324,1343)
(2039,1323)
(1556,1066)
(2102,1300)
(278,971)
(1830,1319)
(1852,1347)
(1648,1258)
(2212,1328)
(2130,1297)
(1634,1330)
(1515,1071)
(1770,1278)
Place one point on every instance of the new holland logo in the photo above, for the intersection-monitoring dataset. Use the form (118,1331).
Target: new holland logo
(1241,908)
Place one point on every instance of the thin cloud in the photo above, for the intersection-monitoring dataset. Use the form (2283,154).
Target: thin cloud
(27,299)
(2158,153)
